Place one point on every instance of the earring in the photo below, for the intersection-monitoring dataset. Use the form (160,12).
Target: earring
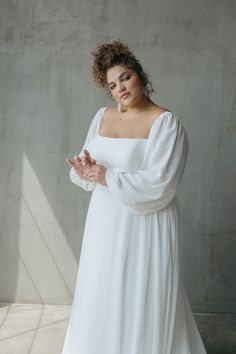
(119,107)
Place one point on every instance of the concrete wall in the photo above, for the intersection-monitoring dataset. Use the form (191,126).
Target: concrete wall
(47,100)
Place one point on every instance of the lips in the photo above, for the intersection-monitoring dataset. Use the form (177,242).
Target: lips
(125,95)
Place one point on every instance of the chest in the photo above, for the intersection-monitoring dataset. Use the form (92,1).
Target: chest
(126,154)
(112,125)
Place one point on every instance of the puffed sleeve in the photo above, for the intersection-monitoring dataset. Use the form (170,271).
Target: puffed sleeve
(153,187)
(74,177)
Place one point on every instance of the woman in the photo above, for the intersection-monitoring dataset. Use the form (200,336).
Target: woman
(129,296)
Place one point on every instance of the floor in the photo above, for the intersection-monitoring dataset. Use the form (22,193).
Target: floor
(41,329)
(32,328)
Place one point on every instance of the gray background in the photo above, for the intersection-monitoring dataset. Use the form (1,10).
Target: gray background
(47,101)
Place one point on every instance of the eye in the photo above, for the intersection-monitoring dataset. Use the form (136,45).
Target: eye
(127,77)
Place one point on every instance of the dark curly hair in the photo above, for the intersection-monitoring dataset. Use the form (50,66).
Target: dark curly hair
(107,55)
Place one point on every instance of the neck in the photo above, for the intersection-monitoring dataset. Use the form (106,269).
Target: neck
(141,105)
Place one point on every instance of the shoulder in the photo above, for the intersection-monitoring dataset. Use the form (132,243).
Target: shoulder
(175,128)
(100,111)
(98,115)
(167,124)
(105,111)
(170,118)
(109,111)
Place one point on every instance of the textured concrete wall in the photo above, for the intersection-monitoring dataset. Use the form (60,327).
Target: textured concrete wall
(47,100)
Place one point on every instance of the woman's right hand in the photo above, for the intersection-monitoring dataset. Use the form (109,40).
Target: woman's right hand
(80,164)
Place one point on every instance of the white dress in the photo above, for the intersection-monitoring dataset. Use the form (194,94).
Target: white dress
(129,296)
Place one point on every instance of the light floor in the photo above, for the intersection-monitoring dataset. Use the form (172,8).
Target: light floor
(41,329)
(32,328)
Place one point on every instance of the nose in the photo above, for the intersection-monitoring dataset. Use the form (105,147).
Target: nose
(121,88)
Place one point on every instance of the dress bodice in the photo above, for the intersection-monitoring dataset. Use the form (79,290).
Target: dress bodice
(122,153)
(143,174)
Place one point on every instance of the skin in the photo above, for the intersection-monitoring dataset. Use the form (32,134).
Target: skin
(120,79)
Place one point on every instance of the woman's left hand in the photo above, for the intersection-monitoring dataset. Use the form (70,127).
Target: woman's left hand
(96,173)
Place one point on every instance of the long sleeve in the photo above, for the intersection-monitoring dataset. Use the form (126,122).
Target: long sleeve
(86,185)
(74,177)
(153,187)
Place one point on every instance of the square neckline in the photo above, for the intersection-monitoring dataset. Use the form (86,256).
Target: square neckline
(113,138)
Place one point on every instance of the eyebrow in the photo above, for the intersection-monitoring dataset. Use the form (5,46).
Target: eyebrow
(119,77)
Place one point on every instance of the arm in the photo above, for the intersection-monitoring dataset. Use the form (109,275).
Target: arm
(154,186)
(74,177)
(77,180)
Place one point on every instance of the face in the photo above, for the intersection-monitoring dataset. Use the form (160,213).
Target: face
(120,80)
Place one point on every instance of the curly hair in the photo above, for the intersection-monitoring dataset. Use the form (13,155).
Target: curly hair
(107,55)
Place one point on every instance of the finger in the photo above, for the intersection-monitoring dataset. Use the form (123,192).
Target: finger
(77,158)
(87,156)
(93,161)
(91,167)
(86,152)
(70,162)
(90,176)
(83,160)
(89,172)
